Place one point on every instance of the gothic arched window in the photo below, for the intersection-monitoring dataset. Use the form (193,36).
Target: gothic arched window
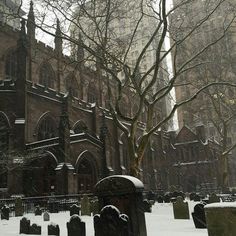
(11,66)
(46,129)
(4,134)
(47,76)
(71,83)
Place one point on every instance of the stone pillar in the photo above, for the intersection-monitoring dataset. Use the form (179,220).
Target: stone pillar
(65,179)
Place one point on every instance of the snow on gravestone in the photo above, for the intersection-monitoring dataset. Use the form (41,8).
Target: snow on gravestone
(74,210)
(111,223)
(221,218)
(180,209)
(125,193)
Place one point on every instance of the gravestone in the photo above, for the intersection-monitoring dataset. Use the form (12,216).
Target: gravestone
(111,223)
(167,198)
(53,229)
(160,199)
(180,209)
(74,210)
(198,216)
(125,193)
(94,207)
(221,219)
(24,226)
(5,211)
(213,198)
(147,206)
(35,229)
(19,208)
(85,206)
(75,226)
(38,211)
(151,195)
(46,216)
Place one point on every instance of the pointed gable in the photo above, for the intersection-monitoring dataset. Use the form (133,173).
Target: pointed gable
(186,135)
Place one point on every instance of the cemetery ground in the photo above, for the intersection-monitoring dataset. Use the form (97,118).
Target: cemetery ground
(160,222)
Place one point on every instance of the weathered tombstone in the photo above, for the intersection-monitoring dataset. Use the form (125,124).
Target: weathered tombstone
(198,215)
(160,199)
(221,219)
(38,211)
(74,210)
(94,207)
(19,209)
(85,206)
(24,226)
(147,206)
(180,209)
(213,198)
(46,216)
(75,226)
(111,223)
(125,193)
(53,229)
(5,211)
(35,229)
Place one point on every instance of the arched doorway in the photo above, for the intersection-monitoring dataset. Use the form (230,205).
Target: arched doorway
(86,169)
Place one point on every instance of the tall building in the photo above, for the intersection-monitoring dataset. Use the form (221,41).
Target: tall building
(215,107)
(129,29)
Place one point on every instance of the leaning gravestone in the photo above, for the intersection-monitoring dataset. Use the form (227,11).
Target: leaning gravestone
(167,198)
(111,223)
(85,206)
(75,226)
(46,216)
(180,209)
(213,198)
(35,229)
(198,215)
(19,209)
(125,193)
(24,226)
(74,210)
(38,211)
(53,229)
(5,211)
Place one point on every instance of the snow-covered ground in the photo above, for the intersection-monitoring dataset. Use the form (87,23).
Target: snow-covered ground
(160,222)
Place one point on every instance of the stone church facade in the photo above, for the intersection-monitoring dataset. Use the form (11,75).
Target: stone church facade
(56,134)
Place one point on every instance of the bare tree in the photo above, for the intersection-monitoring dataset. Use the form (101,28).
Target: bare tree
(107,31)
